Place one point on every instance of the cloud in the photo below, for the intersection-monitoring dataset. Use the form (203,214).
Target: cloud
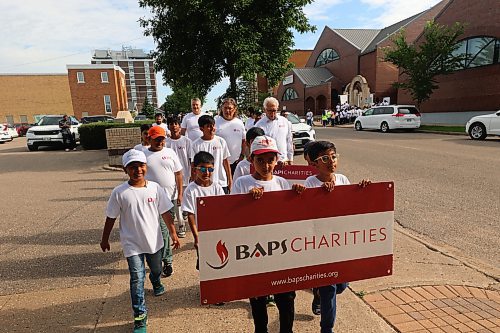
(320,10)
(393,11)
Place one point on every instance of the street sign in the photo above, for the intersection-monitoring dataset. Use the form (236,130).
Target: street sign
(286,241)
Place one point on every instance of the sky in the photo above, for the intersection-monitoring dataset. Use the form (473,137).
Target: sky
(43,36)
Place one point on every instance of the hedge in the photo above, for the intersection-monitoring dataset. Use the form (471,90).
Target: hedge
(93,135)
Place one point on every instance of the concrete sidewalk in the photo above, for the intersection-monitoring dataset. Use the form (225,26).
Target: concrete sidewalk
(429,292)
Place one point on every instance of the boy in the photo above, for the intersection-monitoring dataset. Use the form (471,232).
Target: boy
(264,156)
(166,170)
(243,167)
(202,186)
(138,203)
(144,138)
(217,147)
(181,145)
(323,155)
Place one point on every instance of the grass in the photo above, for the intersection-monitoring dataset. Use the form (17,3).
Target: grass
(360,294)
(457,129)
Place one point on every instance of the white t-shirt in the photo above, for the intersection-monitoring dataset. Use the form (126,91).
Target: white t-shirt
(190,123)
(280,130)
(313,181)
(140,147)
(242,169)
(249,123)
(182,147)
(138,208)
(309,115)
(245,183)
(164,126)
(233,132)
(194,191)
(218,148)
(161,168)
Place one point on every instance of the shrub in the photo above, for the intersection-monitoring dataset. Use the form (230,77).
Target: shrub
(93,135)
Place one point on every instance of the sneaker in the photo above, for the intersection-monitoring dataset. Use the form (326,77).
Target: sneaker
(67,149)
(182,232)
(159,289)
(316,303)
(74,149)
(185,215)
(270,301)
(140,323)
(167,270)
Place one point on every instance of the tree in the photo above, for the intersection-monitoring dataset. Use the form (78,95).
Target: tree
(201,41)
(148,109)
(180,100)
(420,64)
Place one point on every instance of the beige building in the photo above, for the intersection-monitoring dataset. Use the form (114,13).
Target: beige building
(26,97)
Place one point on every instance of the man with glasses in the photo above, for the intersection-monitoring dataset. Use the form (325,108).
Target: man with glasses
(278,128)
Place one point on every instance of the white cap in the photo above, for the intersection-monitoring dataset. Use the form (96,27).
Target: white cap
(264,144)
(133,155)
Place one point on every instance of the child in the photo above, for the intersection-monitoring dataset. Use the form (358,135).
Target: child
(144,138)
(181,145)
(138,203)
(264,156)
(243,167)
(217,147)
(323,155)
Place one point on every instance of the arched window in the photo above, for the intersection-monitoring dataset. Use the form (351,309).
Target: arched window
(480,51)
(326,56)
(289,94)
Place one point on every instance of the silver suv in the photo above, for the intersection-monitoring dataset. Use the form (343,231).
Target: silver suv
(47,132)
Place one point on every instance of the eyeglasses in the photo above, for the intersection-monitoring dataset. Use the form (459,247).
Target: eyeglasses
(205,169)
(326,158)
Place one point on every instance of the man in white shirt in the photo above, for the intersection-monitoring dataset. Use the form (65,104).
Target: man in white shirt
(309,117)
(189,124)
(278,128)
(231,128)
(159,122)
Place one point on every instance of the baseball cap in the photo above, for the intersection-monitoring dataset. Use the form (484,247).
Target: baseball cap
(156,131)
(264,144)
(133,155)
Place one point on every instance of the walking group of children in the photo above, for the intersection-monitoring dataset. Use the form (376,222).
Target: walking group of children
(162,179)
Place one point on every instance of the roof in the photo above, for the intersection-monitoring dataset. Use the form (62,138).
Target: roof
(360,38)
(313,76)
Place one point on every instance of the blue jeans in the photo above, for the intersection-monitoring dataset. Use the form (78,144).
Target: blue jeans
(137,275)
(328,295)
(166,252)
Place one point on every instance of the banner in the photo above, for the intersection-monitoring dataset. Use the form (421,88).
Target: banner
(286,241)
(295,174)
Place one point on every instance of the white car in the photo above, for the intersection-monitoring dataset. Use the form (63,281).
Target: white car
(301,132)
(11,129)
(5,134)
(389,117)
(47,132)
(480,126)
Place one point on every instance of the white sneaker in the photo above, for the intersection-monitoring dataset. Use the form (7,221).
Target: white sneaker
(67,149)
(74,149)
(182,232)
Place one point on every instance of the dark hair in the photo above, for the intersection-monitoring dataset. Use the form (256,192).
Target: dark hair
(251,110)
(172,120)
(307,146)
(145,127)
(206,120)
(317,147)
(203,157)
(254,132)
(158,114)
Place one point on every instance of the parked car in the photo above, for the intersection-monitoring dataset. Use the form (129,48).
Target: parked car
(481,126)
(47,132)
(140,117)
(389,117)
(5,134)
(11,129)
(95,119)
(301,132)
(22,128)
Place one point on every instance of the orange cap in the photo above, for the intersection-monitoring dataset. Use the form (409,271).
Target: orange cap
(156,131)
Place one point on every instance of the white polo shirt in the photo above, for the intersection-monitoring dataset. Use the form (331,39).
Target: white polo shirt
(233,131)
(182,147)
(218,148)
(162,166)
(280,129)
(190,123)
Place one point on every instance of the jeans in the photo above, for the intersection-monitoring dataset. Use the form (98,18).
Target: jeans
(328,295)
(166,251)
(137,275)
(285,303)
(68,140)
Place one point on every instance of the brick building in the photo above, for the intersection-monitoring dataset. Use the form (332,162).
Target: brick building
(139,71)
(97,89)
(26,97)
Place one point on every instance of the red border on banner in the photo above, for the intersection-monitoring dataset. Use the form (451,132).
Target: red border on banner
(259,284)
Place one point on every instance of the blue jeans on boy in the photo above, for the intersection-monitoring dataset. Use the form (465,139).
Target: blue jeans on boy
(328,295)
(137,275)
(166,254)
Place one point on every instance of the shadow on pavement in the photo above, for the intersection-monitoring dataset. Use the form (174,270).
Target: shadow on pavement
(73,237)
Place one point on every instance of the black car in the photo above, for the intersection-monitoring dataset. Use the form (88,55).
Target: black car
(95,119)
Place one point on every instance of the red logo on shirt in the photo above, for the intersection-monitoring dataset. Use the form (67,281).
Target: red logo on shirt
(151,199)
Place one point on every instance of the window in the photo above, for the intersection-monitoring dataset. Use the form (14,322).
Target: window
(326,56)
(107,104)
(80,78)
(289,94)
(24,118)
(85,114)
(9,119)
(479,51)
(104,77)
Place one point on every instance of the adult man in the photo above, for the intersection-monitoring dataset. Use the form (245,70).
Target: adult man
(68,139)
(231,128)
(309,117)
(279,128)
(189,124)
(159,122)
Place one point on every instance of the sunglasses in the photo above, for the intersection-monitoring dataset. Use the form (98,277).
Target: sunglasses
(326,158)
(205,169)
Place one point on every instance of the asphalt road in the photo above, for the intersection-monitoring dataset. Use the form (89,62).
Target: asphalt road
(447,186)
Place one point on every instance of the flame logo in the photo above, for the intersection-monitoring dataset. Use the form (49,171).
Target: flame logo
(223,254)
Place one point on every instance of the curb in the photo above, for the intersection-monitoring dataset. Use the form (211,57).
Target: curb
(110,168)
